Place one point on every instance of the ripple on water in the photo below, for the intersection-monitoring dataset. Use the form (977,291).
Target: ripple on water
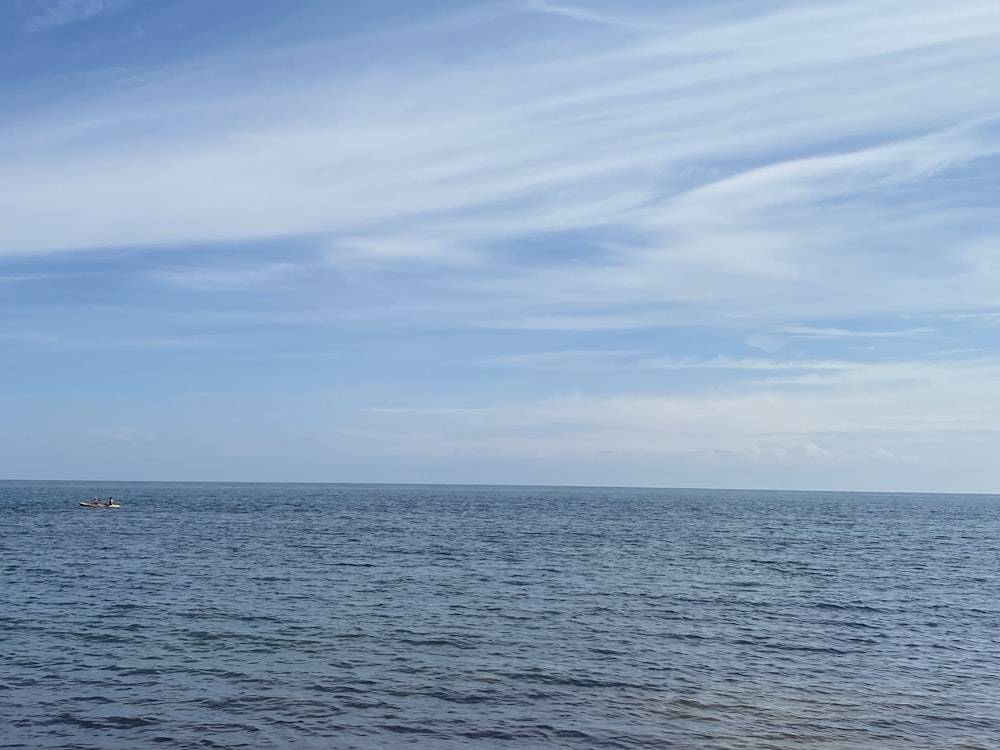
(449,617)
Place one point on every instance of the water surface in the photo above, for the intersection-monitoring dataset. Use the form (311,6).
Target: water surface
(336,616)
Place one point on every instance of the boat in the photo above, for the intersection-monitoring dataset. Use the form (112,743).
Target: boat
(99,505)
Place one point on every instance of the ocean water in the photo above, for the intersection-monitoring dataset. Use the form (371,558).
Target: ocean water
(335,616)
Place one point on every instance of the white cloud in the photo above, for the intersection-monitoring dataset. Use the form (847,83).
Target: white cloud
(812,332)
(796,177)
(751,168)
(775,339)
(734,363)
(564,359)
(841,412)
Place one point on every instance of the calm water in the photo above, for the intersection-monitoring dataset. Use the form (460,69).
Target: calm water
(309,616)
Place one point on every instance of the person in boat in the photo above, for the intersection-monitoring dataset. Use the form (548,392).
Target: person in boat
(111,501)
(96,501)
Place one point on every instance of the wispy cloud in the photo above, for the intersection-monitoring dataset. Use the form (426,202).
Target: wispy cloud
(468,205)
(743,186)
(832,412)
(564,358)
(732,363)
(811,332)
(775,339)
(208,278)
(50,13)
(589,16)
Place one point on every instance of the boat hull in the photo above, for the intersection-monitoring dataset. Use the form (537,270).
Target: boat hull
(98,505)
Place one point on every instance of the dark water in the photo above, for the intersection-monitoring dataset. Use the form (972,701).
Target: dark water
(306,616)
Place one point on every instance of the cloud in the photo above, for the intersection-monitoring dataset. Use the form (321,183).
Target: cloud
(564,359)
(771,341)
(840,412)
(52,13)
(588,16)
(733,363)
(638,190)
(812,332)
(208,278)
(747,168)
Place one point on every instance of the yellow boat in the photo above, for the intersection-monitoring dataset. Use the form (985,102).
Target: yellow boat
(99,505)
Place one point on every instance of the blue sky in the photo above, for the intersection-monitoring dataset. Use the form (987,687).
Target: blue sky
(725,244)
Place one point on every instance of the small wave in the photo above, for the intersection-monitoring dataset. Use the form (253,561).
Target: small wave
(490,734)
(848,607)
(571,681)
(437,642)
(568,734)
(103,722)
(407,729)
(451,696)
(455,636)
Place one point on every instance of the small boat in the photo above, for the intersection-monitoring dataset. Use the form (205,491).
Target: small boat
(99,505)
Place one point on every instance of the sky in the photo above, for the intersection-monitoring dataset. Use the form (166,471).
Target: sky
(734,243)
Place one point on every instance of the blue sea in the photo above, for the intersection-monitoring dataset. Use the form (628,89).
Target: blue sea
(347,616)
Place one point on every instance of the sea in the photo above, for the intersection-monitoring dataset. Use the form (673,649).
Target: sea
(379,616)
